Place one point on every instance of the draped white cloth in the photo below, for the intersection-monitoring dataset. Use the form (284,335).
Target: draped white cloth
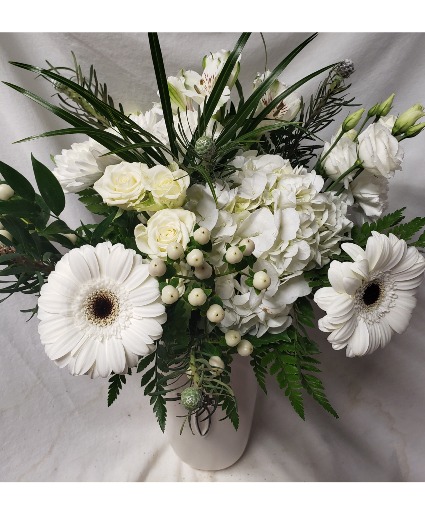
(54,427)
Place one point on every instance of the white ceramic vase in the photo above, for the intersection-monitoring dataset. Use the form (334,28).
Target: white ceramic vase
(222,446)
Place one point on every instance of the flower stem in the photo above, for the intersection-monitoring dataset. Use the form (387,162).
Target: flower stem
(341,177)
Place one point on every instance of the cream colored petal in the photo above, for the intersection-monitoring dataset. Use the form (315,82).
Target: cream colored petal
(358,343)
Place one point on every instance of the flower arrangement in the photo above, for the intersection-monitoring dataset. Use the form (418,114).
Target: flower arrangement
(222,218)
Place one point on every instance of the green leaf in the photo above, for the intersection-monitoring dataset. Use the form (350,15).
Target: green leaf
(116,381)
(164,94)
(145,362)
(18,207)
(160,410)
(57,227)
(17,182)
(315,388)
(361,234)
(102,228)
(49,187)
(408,230)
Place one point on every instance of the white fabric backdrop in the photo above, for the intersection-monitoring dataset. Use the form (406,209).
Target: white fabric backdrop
(56,427)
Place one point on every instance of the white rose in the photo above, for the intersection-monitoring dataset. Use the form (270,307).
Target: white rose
(123,185)
(168,188)
(379,151)
(164,227)
(341,158)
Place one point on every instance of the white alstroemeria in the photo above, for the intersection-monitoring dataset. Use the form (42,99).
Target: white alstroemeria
(100,310)
(164,227)
(340,159)
(123,185)
(213,64)
(286,109)
(370,194)
(379,151)
(256,314)
(371,297)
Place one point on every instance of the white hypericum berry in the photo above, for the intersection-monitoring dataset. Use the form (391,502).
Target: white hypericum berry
(197,297)
(217,363)
(157,267)
(175,250)
(204,271)
(234,255)
(5,234)
(202,235)
(232,338)
(249,246)
(245,348)
(261,280)
(169,294)
(195,258)
(215,313)
(6,192)
(71,237)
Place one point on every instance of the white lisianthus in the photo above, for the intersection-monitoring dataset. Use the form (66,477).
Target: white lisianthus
(379,151)
(287,109)
(164,227)
(370,194)
(340,159)
(123,185)
(371,297)
(168,188)
(77,168)
(387,121)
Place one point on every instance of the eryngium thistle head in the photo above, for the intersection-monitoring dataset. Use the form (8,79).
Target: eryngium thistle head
(205,146)
(345,68)
(191,398)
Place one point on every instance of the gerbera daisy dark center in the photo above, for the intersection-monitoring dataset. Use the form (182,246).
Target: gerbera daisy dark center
(371,293)
(101,307)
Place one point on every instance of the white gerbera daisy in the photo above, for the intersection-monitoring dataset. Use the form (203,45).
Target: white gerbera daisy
(373,297)
(100,310)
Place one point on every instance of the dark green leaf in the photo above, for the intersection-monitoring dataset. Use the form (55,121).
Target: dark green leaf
(49,187)
(17,182)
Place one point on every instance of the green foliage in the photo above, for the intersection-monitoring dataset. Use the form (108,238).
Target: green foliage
(17,182)
(49,187)
(289,357)
(296,142)
(408,230)
(115,385)
(385,224)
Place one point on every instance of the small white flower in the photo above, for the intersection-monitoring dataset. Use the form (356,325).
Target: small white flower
(372,297)
(123,185)
(99,310)
(379,151)
(165,227)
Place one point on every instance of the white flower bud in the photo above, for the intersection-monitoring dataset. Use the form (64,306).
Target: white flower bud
(1,226)
(197,297)
(215,313)
(204,271)
(195,258)
(71,237)
(157,267)
(408,118)
(261,280)
(249,246)
(232,338)
(5,234)
(217,363)
(202,235)
(234,255)
(169,294)
(6,192)
(175,250)
(352,120)
(245,348)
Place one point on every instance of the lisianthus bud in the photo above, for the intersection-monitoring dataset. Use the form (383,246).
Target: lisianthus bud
(6,192)
(408,118)
(385,107)
(352,120)
(205,146)
(191,398)
(373,110)
(414,130)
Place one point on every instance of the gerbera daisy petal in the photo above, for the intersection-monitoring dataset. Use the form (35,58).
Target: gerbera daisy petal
(354,251)
(87,305)
(381,285)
